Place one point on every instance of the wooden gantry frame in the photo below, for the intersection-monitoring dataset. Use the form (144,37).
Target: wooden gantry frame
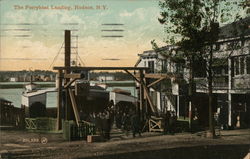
(66,78)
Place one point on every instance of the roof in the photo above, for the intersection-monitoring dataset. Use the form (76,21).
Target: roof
(154,53)
(137,62)
(236,29)
(148,53)
(38,92)
(2,99)
(32,94)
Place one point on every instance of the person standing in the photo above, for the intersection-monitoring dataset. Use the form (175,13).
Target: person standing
(167,123)
(107,125)
(125,123)
(118,120)
(172,123)
(135,124)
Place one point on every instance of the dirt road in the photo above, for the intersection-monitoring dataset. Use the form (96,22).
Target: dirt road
(231,144)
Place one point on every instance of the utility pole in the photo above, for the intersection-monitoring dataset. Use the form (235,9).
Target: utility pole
(190,90)
(67,60)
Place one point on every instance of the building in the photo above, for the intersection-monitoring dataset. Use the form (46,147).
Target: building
(231,75)
(13,79)
(34,101)
(104,78)
(231,82)
(10,115)
(167,94)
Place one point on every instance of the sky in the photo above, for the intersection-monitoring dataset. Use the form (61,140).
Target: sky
(32,32)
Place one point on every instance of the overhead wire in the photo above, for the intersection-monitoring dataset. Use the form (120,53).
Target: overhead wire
(56,55)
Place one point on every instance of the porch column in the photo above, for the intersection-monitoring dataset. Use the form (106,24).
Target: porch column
(229,92)
(178,105)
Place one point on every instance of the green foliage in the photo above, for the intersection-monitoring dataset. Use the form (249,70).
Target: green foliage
(246,5)
(191,24)
(194,25)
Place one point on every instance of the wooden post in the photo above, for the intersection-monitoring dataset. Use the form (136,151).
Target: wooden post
(178,106)
(59,100)
(141,95)
(73,102)
(67,50)
(153,107)
(67,60)
(146,101)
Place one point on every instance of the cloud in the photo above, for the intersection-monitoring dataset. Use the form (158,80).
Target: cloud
(137,14)
(140,27)
(14,18)
(126,14)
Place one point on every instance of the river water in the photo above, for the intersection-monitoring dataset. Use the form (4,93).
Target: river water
(14,94)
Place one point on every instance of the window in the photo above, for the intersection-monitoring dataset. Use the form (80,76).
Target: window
(242,65)
(220,66)
(225,70)
(164,67)
(151,66)
(248,64)
(237,68)
(232,66)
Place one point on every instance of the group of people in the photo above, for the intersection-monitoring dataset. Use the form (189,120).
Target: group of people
(103,122)
(128,121)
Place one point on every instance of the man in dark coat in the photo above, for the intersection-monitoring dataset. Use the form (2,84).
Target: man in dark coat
(167,122)
(135,124)
(125,123)
(106,124)
(172,123)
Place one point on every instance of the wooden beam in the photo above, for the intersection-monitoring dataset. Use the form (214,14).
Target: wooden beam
(146,93)
(69,83)
(153,108)
(135,78)
(155,82)
(73,75)
(99,68)
(73,101)
(156,76)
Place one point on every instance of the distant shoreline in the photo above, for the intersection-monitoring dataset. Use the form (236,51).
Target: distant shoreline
(9,86)
(46,85)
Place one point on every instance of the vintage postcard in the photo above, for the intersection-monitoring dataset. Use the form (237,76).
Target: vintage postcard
(124,79)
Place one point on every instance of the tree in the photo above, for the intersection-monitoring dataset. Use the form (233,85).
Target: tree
(246,5)
(194,26)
